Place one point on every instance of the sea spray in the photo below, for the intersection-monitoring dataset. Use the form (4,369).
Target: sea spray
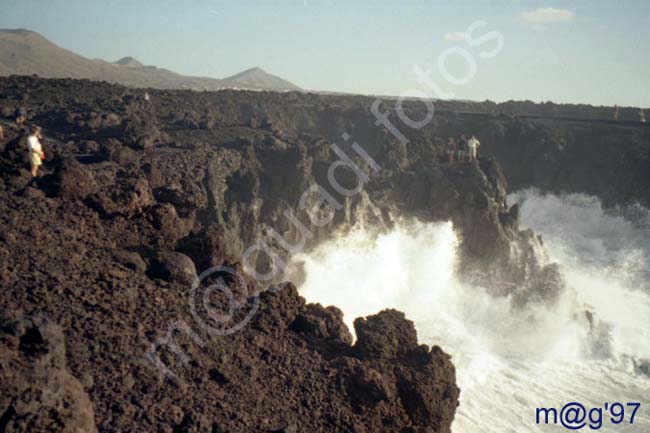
(509,361)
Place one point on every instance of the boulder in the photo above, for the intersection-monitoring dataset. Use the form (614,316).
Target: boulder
(169,225)
(125,156)
(212,246)
(128,196)
(174,267)
(278,308)
(323,323)
(364,385)
(110,148)
(37,393)
(140,134)
(89,146)
(386,335)
(72,180)
(428,389)
(131,260)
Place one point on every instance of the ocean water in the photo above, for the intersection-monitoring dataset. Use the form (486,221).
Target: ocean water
(511,361)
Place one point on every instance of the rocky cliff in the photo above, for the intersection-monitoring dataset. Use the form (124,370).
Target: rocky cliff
(559,148)
(144,203)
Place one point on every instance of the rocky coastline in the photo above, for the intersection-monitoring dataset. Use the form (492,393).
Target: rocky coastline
(140,200)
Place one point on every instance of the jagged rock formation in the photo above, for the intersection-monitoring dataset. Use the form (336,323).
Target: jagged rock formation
(559,148)
(232,164)
(606,159)
(37,392)
(138,197)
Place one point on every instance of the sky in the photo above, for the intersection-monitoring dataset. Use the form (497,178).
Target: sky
(574,51)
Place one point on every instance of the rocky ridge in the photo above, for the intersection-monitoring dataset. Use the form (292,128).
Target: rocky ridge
(138,197)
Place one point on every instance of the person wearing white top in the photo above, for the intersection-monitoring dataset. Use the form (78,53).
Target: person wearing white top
(36,155)
(473,145)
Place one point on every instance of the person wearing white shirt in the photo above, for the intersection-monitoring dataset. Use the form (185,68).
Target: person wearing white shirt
(36,155)
(473,145)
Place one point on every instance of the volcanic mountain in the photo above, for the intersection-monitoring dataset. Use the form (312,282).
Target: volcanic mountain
(23,52)
(129,61)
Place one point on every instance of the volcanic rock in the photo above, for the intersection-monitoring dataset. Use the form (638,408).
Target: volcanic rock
(173,266)
(385,335)
(112,253)
(37,392)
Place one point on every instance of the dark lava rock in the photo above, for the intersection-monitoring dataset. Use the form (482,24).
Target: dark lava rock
(126,195)
(72,180)
(173,266)
(428,404)
(131,260)
(140,134)
(37,392)
(282,304)
(111,253)
(170,226)
(364,385)
(289,427)
(386,335)
(322,323)
(110,149)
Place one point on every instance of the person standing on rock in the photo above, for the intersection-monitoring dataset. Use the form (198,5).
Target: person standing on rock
(36,155)
(21,116)
(462,148)
(472,148)
(451,149)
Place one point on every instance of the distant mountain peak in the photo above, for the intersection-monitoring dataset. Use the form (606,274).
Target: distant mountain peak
(24,52)
(19,31)
(257,77)
(129,61)
(23,34)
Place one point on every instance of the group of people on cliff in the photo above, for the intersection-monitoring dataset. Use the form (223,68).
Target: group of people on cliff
(34,137)
(462,149)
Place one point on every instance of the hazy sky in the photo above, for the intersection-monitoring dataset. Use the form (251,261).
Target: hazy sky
(592,51)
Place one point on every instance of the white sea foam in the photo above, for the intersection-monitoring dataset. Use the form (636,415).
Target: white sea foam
(511,361)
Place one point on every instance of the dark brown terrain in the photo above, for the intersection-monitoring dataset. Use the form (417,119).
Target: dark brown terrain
(98,257)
